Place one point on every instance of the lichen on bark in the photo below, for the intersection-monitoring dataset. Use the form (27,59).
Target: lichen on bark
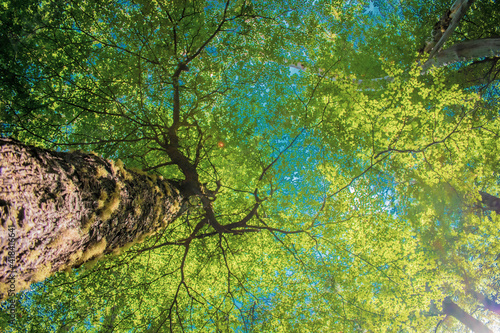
(54,203)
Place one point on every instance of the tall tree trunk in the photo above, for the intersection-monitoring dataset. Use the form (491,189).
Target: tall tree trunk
(59,210)
(488,304)
(490,202)
(452,309)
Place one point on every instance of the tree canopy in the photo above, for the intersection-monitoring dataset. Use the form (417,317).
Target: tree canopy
(331,182)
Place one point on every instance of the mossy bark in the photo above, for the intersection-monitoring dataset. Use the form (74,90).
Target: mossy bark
(61,209)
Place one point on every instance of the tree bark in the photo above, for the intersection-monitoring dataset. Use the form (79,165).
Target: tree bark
(488,304)
(445,27)
(61,209)
(490,202)
(452,309)
(468,50)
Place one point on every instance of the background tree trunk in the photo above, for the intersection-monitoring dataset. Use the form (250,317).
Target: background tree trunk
(452,309)
(490,202)
(468,50)
(61,209)
(488,304)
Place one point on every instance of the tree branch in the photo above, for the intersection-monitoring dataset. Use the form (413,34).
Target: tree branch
(455,14)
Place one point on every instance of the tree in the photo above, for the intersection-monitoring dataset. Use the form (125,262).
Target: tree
(83,206)
(450,308)
(304,202)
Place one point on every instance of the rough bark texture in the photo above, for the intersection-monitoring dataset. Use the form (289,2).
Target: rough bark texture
(452,309)
(59,210)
